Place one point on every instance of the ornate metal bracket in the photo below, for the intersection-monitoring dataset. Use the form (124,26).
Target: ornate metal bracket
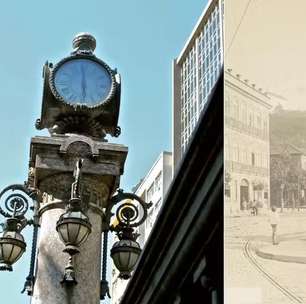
(128,216)
(73,216)
(16,202)
(76,185)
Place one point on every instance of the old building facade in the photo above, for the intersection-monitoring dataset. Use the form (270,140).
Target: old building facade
(246,146)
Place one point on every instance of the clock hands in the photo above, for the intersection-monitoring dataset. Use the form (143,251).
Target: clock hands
(83,83)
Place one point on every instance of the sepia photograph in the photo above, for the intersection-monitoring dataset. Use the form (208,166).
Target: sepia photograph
(264,152)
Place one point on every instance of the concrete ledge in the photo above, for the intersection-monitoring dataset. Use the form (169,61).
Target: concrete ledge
(286,251)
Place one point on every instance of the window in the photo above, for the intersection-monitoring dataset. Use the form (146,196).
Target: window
(251,119)
(158,182)
(243,113)
(266,195)
(236,190)
(265,127)
(150,220)
(235,153)
(259,120)
(227,192)
(235,108)
(150,192)
(253,159)
(157,205)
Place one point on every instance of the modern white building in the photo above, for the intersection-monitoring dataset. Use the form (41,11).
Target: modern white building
(246,144)
(195,72)
(152,188)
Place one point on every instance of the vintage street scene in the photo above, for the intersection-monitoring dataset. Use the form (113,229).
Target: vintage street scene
(257,271)
(264,154)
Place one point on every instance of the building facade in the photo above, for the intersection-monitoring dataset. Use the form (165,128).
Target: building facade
(246,145)
(152,188)
(195,72)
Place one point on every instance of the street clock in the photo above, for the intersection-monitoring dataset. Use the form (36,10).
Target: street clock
(81,93)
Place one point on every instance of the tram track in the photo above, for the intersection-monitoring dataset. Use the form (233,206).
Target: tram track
(284,290)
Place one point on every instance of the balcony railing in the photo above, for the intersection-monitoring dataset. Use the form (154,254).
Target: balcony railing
(236,167)
(246,129)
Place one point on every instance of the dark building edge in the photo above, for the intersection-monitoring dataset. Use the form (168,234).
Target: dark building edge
(182,261)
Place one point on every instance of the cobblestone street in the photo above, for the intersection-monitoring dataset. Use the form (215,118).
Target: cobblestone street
(252,279)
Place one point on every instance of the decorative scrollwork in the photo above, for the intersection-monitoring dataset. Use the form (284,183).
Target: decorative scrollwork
(128,213)
(16,203)
(117,131)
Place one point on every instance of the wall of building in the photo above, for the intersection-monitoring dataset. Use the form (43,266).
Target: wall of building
(152,188)
(246,145)
(195,73)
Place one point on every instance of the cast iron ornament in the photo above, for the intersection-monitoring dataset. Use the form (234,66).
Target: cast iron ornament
(17,203)
(16,200)
(73,216)
(127,213)
(129,216)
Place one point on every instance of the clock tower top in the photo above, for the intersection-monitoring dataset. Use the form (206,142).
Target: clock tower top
(84,43)
(81,93)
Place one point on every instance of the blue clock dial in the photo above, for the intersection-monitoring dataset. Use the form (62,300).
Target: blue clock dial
(83,81)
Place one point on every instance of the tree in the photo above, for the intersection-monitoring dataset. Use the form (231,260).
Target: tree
(287,178)
(279,168)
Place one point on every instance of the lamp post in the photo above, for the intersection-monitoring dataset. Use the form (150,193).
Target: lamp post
(131,212)
(16,201)
(73,182)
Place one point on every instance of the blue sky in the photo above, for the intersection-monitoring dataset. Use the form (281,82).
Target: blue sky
(139,38)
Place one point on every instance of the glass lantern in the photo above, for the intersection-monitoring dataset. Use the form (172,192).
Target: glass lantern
(12,245)
(125,254)
(73,228)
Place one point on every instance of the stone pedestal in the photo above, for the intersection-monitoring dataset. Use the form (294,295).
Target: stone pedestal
(52,161)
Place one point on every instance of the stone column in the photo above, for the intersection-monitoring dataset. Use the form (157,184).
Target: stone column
(52,162)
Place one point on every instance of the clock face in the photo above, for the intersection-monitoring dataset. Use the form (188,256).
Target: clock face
(83,81)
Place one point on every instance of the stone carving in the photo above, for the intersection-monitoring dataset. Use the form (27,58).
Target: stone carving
(80,149)
(79,145)
(31,178)
(57,188)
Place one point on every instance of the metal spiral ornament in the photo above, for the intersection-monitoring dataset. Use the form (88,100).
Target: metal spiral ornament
(16,203)
(128,214)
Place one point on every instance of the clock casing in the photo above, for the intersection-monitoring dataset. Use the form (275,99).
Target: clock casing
(81,95)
